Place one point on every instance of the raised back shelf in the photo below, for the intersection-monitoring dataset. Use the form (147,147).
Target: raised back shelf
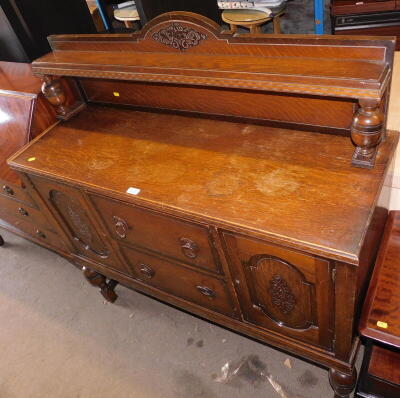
(312,82)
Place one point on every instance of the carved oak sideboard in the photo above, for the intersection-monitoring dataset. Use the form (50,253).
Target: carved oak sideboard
(239,177)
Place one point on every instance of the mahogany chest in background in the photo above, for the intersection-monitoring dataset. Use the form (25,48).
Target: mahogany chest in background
(380,321)
(24,114)
(369,17)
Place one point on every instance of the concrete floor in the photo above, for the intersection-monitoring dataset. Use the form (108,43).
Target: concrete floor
(59,339)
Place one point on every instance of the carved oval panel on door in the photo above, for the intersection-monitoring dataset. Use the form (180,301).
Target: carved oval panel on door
(76,218)
(283,290)
(280,291)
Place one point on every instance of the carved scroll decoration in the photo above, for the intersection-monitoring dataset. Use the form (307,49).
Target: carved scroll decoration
(179,37)
(281,294)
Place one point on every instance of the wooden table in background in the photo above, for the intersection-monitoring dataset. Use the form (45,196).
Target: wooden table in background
(380,323)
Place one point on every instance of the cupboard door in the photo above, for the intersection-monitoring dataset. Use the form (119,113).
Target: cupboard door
(68,206)
(283,290)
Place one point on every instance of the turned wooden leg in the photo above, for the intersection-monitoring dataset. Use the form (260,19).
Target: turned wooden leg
(1,241)
(277,25)
(128,24)
(255,29)
(100,281)
(233,28)
(341,383)
(366,132)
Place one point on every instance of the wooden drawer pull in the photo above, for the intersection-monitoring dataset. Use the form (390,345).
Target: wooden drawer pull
(121,227)
(146,270)
(189,248)
(206,291)
(23,212)
(8,190)
(40,234)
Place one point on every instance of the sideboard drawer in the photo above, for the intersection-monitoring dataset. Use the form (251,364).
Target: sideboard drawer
(169,236)
(38,232)
(15,192)
(283,290)
(180,281)
(27,213)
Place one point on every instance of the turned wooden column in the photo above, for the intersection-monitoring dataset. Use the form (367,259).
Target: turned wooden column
(55,94)
(54,91)
(366,132)
(342,384)
(100,281)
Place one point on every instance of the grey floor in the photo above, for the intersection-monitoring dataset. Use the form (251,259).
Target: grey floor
(59,339)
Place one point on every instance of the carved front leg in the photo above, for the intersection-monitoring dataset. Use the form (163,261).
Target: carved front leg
(100,281)
(53,90)
(366,132)
(341,383)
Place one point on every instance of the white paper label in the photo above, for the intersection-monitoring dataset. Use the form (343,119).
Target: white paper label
(133,191)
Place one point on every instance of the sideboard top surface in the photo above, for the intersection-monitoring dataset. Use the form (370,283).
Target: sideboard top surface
(290,185)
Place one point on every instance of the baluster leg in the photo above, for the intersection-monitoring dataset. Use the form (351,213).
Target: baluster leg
(342,384)
(366,132)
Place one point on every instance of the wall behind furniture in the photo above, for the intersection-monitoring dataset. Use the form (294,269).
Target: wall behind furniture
(394,124)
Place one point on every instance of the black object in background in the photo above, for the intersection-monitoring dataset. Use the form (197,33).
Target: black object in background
(25,25)
(148,9)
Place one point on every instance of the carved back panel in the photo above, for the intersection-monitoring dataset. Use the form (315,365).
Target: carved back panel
(278,79)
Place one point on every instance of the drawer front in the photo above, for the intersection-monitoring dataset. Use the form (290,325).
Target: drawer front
(27,213)
(35,231)
(283,290)
(180,281)
(178,239)
(68,206)
(15,192)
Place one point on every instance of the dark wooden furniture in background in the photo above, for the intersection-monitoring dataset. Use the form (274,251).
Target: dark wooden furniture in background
(24,114)
(217,173)
(25,25)
(380,321)
(368,17)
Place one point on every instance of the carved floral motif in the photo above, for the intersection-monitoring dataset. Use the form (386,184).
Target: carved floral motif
(179,36)
(281,294)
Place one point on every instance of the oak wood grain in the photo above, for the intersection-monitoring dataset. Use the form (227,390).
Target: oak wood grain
(214,166)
